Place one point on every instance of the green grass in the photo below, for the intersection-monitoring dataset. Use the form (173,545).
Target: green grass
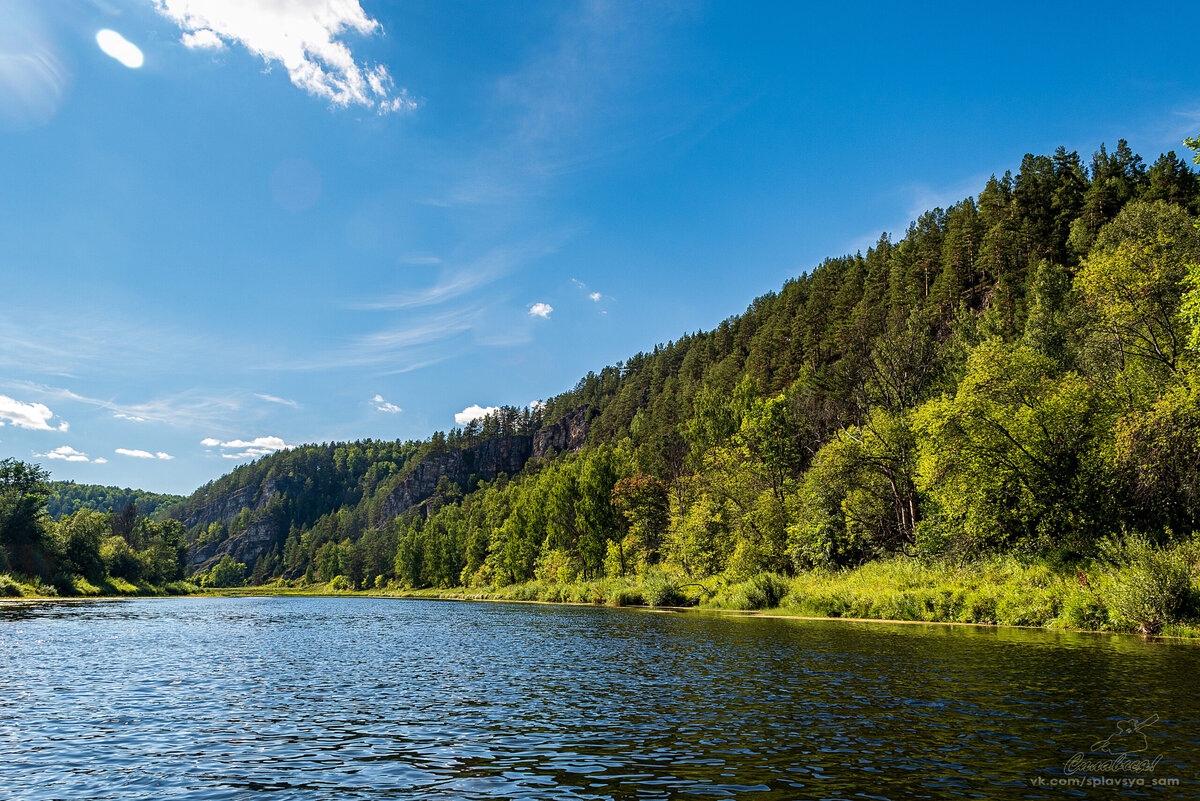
(13,586)
(1139,588)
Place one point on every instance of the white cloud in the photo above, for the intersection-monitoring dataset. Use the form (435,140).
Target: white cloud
(133,417)
(474,412)
(135,453)
(540,310)
(384,406)
(100,460)
(247,449)
(595,296)
(33,416)
(275,399)
(303,35)
(67,454)
(118,47)
(203,39)
(139,454)
(537,405)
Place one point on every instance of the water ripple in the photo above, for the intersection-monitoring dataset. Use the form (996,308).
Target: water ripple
(361,698)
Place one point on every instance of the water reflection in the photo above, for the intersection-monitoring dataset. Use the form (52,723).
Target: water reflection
(360,698)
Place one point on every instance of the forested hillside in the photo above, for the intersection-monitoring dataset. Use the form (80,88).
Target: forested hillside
(1016,374)
(1004,376)
(66,498)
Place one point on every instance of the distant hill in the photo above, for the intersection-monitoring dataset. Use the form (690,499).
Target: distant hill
(67,497)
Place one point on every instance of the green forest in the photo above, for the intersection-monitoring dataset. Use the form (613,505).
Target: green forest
(66,498)
(1011,386)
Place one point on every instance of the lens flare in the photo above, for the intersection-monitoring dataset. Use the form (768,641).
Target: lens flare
(117,46)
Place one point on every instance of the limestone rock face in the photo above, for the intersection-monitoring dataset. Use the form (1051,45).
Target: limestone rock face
(485,460)
(257,540)
(227,507)
(568,434)
(245,546)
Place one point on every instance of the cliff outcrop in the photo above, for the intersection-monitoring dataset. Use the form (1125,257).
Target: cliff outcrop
(225,508)
(486,460)
(568,434)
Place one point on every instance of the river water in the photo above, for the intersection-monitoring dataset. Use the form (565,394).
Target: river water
(348,698)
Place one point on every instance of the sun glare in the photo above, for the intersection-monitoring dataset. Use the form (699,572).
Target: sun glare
(120,48)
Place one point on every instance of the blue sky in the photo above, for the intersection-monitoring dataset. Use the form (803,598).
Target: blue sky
(257,223)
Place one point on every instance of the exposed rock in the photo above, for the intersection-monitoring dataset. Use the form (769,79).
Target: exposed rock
(225,508)
(568,434)
(486,460)
(246,547)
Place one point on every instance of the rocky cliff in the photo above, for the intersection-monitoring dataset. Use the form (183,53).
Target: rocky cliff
(486,460)
(225,508)
(568,434)
(245,547)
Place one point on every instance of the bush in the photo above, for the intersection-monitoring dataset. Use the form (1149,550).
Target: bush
(662,590)
(9,588)
(763,591)
(626,596)
(340,584)
(226,573)
(1149,586)
(1084,610)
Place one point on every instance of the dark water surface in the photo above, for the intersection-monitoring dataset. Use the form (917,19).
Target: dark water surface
(347,698)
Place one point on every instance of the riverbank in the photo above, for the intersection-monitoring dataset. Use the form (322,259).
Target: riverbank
(1138,597)
(78,587)
(1006,591)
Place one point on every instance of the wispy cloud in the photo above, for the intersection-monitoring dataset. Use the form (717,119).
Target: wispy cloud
(474,412)
(461,276)
(384,406)
(32,416)
(140,454)
(247,449)
(593,296)
(540,309)
(275,399)
(302,35)
(181,409)
(66,453)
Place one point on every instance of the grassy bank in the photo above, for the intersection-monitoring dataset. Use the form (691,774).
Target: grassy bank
(1138,589)
(78,587)
(1148,591)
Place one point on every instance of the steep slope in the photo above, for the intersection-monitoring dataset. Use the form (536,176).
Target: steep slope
(856,345)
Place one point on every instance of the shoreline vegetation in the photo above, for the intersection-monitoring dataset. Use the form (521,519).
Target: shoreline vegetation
(1147,595)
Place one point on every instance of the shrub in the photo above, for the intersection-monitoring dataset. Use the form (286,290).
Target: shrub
(662,590)
(626,596)
(1084,610)
(9,588)
(340,584)
(1149,586)
(763,591)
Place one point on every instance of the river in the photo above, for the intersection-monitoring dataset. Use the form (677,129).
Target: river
(358,698)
